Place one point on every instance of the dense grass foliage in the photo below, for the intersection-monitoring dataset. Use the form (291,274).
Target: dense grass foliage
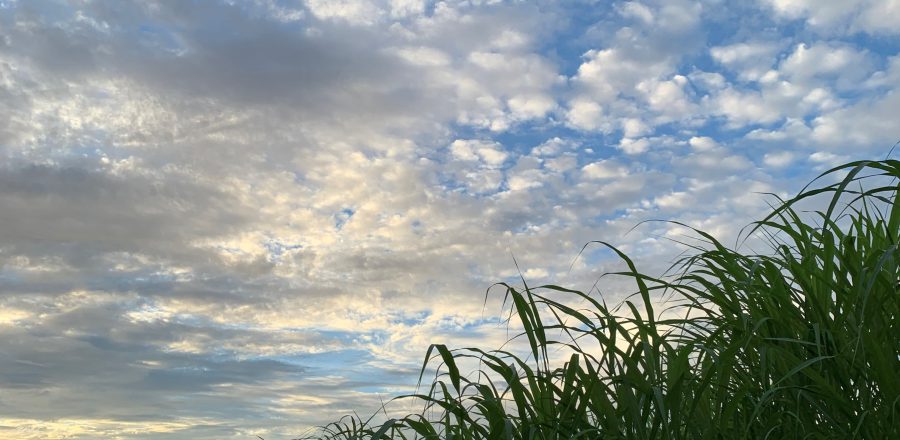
(801,341)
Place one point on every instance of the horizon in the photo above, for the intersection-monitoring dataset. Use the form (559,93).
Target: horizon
(238,219)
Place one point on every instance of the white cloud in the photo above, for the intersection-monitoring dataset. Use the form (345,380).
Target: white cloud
(604,169)
(492,157)
(778,159)
(361,12)
(498,90)
(792,129)
(751,60)
(484,181)
(628,76)
(677,16)
(422,56)
(878,17)
(525,179)
(708,80)
(740,53)
(745,107)
(536,273)
(491,154)
(713,164)
(809,81)
(406,8)
(865,124)
(827,159)
(888,77)
(511,40)
(870,16)
(637,10)
(703,143)
(561,164)
(525,107)
(607,73)
(845,64)
(668,97)
(634,146)
(676,199)
(586,115)
(553,147)
(633,127)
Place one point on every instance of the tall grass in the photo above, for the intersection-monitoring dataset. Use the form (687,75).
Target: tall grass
(802,341)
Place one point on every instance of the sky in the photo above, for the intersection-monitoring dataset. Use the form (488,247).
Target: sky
(223,219)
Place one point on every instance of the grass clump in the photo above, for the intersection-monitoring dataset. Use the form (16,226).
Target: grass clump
(800,342)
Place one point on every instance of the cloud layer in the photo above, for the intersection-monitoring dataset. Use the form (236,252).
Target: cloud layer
(227,219)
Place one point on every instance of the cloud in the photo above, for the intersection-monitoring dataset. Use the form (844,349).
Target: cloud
(635,73)
(846,65)
(796,88)
(257,215)
(360,12)
(712,164)
(553,147)
(703,143)
(604,169)
(827,160)
(491,154)
(745,107)
(869,16)
(606,73)
(406,8)
(425,56)
(586,115)
(634,146)
(778,159)
(860,123)
(863,124)
(116,213)
(751,60)
(638,11)
(668,98)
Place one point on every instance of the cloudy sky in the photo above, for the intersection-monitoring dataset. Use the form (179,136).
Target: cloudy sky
(222,219)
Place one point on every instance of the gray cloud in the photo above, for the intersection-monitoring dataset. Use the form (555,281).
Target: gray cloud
(115,213)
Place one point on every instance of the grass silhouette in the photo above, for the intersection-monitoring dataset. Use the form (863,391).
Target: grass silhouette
(800,342)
